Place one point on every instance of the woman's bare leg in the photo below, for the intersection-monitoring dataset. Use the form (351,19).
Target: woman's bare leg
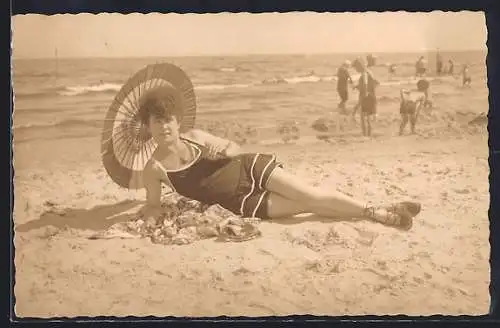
(309,199)
(368,125)
(279,207)
(363,124)
(290,195)
(413,122)
(404,121)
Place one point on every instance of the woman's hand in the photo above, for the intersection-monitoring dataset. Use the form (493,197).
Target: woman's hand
(216,147)
(150,213)
(217,150)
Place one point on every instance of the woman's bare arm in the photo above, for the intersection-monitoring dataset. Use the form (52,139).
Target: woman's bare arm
(152,184)
(376,82)
(228,147)
(420,103)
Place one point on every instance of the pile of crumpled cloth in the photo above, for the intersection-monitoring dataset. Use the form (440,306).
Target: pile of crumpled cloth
(184,221)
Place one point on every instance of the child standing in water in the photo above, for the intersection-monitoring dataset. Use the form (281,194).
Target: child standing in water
(411,103)
(466,79)
(367,97)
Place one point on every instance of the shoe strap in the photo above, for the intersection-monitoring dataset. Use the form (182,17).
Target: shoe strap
(369,211)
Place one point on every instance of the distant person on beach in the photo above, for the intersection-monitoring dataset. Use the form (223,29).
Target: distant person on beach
(451,67)
(420,67)
(411,103)
(466,79)
(392,70)
(439,63)
(343,79)
(213,170)
(371,60)
(367,100)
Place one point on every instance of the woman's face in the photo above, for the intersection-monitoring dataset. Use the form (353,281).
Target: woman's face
(165,130)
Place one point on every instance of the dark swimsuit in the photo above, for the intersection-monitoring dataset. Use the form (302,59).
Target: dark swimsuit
(408,107)
(342,80)
(238,183)
(368,100)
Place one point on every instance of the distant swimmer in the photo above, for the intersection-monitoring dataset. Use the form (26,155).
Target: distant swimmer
(96,84)
(411,103)
(367,102)
(343,78)
(274,80)
(420,67)
(466,79)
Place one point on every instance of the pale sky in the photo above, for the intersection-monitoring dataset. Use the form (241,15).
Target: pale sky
(157,35)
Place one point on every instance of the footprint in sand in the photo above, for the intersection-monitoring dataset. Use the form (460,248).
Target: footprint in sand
(379,288)
(242,271)
(444,171)
(388,276)
(462,191)
(366,237)
(394,189)
(382,265)
(365,241)
(418,280)
(323,266)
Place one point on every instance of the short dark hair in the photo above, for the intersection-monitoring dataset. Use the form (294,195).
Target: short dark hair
(423,85)
(164,101)
(359,63)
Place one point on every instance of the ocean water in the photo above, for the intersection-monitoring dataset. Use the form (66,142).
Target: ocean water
(70,97)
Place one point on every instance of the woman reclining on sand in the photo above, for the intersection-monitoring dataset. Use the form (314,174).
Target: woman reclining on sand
(212,170)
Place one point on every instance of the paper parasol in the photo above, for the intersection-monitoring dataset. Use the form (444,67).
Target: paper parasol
(126,144)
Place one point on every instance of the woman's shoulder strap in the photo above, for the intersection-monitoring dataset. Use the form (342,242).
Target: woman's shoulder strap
(191,137)
(194,141)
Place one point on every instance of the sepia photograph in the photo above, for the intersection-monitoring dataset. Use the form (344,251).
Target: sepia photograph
(238,164)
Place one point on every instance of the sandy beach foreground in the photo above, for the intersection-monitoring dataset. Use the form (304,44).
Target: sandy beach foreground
(318,267)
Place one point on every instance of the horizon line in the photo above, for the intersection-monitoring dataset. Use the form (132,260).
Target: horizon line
(364,53)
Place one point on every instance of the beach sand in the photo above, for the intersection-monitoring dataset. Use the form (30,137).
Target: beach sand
(303,265)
